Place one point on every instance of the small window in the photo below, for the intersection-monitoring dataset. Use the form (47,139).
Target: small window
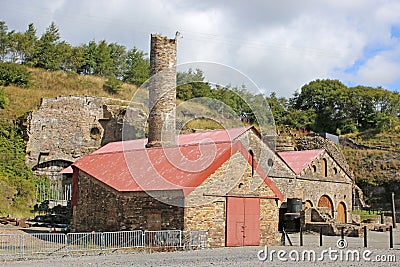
(270,162)
(324,167)
(335,171)
(95,133)
(252,162)
(314,168)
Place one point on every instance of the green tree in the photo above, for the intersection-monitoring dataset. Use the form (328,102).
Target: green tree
(89,58)
(319,95)
(29,44)
(137,67)
(47,53)
(4,41)
(118,56)
(278,107)
(104,63)
(71,57)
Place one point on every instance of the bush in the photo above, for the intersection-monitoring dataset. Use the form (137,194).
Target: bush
(112,85)
(11,73)
(3,99)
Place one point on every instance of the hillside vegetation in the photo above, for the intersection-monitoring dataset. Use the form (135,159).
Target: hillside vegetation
(17,182)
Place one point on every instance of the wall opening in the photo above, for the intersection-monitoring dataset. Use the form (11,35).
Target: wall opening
(252,162)
(341,213)
(324,167)
(326,203)
(95,133)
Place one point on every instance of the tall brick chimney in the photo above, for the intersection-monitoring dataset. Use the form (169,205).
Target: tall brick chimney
(162,91)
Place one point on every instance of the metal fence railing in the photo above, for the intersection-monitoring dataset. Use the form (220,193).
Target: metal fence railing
(30,245)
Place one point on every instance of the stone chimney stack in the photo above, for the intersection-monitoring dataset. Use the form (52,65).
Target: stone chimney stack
(162,91)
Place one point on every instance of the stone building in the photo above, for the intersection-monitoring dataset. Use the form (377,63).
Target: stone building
(207,181)
(320,182)
(66,128)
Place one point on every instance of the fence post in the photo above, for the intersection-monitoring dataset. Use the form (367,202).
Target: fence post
(22,245)
(103,245)
(143,239)
(301,236)
(180,238)
(365,236)
(320,236)
(391,236)
(342,233)
(66,244)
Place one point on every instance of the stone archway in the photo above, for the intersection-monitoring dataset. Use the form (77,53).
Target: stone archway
(341,213)
(325,201)
(308,204)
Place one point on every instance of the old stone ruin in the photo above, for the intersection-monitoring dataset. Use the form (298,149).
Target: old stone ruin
(65,128)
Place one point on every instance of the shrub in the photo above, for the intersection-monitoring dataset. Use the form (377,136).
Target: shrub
(11,73)
(3,99)
(112,85)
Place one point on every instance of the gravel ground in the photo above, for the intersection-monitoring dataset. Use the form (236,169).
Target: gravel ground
(243,256)
(238,256)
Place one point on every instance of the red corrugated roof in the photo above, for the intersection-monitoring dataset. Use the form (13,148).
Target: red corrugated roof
(67,170)
(299,160)
(166,168)
(226,135)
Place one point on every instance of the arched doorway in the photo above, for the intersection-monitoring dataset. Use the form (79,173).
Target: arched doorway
(341,213)
(308,204)
(325,201)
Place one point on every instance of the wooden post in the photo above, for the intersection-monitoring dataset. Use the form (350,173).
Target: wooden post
(365,237)
(320,237)
(391,237)
(301,236)
(393,212)
(342,233)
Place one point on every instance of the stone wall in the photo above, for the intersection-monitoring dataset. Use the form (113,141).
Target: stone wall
(66,128)
(317,142)
(100,208)
(311,184)
(162,91)
(208,212)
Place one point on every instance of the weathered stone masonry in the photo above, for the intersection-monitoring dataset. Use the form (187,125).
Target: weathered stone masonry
(101,208)
(66,128)
(162,91)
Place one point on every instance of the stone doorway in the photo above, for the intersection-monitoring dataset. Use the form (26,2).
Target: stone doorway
(341,213)
(326,202)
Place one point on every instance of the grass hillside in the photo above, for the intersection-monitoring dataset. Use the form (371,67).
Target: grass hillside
(17,182)
(53,84)
(375,160)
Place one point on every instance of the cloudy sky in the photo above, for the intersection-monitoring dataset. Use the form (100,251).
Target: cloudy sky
(280,45)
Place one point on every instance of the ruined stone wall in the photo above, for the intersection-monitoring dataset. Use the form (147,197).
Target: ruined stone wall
(66,128)
(101,208)
(162,91)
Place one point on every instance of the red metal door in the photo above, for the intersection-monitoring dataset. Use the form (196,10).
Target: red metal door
(243,222)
